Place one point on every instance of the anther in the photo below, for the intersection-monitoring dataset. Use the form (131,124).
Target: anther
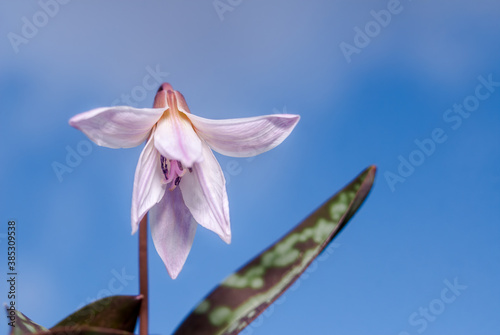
(173,171)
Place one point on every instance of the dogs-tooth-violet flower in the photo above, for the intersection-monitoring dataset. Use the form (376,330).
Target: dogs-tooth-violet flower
(178,179)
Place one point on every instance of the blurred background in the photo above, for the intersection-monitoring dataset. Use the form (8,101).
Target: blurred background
(410,86)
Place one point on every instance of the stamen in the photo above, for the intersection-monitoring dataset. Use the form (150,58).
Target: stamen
(173,172)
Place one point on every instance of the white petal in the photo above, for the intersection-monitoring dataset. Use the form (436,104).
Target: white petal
(148,186)
(204,193)
(117,127)
(173,229)
(176,139)
(247,136)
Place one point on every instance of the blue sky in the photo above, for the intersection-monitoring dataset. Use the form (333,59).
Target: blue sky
(432,224)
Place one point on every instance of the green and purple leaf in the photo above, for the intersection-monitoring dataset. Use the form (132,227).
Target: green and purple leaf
(244,295)
(23,324)
(84,330)
(115,315)
(117,312)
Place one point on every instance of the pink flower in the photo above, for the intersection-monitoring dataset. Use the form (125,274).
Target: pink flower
(178,179)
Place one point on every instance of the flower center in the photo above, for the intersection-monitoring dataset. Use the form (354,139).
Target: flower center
(173,171)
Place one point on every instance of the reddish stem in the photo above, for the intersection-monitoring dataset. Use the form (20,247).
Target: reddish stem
(143,275)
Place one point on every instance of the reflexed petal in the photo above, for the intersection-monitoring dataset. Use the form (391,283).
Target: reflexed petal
(149,187)
(117,127)
(176,139)
(173,229)
(204,193)
(247,136)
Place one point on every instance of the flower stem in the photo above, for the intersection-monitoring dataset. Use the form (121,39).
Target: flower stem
(143,275)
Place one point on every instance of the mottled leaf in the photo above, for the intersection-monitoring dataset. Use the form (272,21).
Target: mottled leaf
(84,330)
(118,312)
(244,295)
(23,324)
